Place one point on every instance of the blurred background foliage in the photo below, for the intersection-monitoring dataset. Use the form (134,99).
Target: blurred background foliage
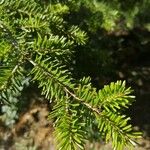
(118,47)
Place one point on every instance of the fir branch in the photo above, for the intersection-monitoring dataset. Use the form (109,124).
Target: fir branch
(66,88)
(35,27)
(115,96)
(4,85)
(115,128)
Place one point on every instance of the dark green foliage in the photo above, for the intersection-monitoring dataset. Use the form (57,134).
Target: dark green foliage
(39,42)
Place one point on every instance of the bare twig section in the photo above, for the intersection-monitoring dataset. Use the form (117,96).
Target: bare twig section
(86,104)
